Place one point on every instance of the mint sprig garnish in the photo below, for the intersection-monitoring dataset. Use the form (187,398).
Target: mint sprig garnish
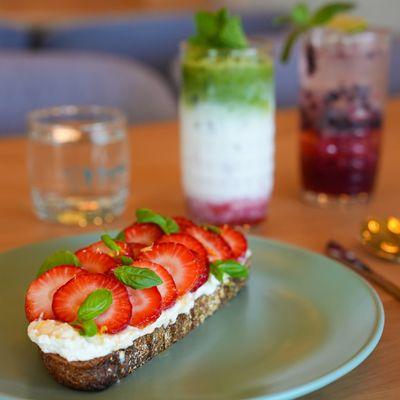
(302,20)
(168,225)
(230,267)
(218,30)
(137,278)
(60,257)
(110,243)
(95,304)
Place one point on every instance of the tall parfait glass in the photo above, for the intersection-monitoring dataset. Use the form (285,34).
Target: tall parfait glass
(227,133)
(343,87)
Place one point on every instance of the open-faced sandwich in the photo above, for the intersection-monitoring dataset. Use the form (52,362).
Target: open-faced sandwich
(103,311)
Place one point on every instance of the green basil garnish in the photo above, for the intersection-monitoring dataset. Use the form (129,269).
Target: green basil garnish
(95,304)
(110,243)
(168,225)
(137,278)
(230,267)
(61,257)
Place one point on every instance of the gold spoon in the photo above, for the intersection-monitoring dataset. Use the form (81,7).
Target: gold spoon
(382,237)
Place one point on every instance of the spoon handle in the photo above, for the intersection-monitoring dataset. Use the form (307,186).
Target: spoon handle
(347,257)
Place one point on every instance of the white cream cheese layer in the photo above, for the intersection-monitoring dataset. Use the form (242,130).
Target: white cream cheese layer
(61,338)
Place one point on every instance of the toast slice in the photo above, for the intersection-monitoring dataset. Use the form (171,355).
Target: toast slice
(101,372)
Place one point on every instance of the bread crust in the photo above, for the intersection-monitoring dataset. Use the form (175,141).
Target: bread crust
(99,373)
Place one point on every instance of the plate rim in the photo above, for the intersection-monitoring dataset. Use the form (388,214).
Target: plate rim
(300,390)
(356,359)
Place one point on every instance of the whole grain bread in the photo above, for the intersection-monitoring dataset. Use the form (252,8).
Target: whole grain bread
(99,373)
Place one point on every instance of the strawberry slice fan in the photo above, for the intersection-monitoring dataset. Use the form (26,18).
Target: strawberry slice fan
(153,268)
(69,297)
(177,252)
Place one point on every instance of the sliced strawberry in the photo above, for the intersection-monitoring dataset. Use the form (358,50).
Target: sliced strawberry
(95,262)
(68,298)
(39,296)
(136,249)
(179,261)
(183,222)
(216,246)
(145,233)
(101,247)
(167,289)
(237,242)
(193,244)
(146,306)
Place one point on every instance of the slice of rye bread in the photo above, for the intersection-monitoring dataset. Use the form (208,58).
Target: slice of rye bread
(101,372)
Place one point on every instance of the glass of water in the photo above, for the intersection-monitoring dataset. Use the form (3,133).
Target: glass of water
(78,160)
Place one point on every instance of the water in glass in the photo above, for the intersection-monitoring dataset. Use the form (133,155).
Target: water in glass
(78,164)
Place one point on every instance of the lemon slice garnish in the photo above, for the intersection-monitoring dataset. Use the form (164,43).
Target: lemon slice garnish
(348,23)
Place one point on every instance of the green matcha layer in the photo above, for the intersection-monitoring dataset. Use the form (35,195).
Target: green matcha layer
(240,77)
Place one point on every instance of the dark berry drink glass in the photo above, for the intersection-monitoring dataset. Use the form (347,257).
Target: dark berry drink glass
(227,133)
(342,92)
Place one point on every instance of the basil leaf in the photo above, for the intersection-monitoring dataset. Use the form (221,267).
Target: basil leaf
(95,304)
(120,236)
(168,225)
(214,269)
(172,226)
(137,278)
(301,14)
(212,228)
(325,13)
(234,269)
(230,267)
(110,243)
(61,257)
(126,260)
(88,328)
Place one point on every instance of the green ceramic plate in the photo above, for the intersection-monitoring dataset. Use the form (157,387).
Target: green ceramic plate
(302,322)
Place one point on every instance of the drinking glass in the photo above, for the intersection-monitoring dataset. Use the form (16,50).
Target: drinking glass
(78,160)
(343,86)
(227,128)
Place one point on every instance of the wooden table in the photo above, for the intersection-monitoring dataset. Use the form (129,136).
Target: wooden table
(155,169)
(38,12)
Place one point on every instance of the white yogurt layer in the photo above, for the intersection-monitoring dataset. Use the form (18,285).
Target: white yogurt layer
(227,151)
(61,338)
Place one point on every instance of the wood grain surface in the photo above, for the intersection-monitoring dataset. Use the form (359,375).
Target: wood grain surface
(52,12)
(156,184)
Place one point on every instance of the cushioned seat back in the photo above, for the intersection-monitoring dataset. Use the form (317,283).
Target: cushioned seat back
(14,36)
(34,80)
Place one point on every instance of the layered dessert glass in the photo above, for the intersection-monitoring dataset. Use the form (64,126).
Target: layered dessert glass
(227,133)
(343,86)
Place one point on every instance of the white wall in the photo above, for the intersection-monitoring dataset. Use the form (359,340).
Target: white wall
(384,13)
